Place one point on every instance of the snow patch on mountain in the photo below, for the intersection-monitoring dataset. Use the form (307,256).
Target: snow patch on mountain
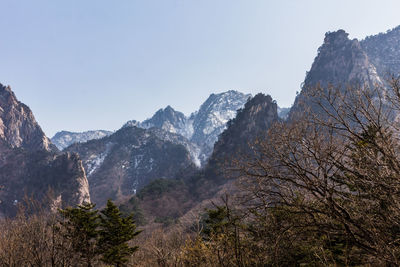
(212,118)
(64,139)
(202,128)
(193,149)
(94,161)
(283,113)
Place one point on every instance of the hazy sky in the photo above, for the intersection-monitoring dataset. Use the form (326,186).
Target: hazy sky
(95,64)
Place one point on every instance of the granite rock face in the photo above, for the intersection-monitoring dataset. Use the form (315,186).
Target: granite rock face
(18,127)
(253,121)
(340,62)
(30,165)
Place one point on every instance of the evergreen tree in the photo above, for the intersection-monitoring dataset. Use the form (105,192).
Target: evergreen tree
(81,228)
(115,233)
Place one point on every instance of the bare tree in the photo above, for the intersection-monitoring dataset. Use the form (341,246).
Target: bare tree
(330,181)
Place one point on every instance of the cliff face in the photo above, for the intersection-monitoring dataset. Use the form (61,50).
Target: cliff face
(18,127)
(340,62)
(251,122)
(30,165)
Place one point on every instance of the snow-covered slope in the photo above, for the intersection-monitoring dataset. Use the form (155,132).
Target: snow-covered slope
(166,119)
(212,118)
(64,139)
(202,127)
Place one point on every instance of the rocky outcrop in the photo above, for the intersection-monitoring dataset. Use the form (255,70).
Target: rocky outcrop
(251,122)
(30,165)
(340,62)
(18,127)
(169,120)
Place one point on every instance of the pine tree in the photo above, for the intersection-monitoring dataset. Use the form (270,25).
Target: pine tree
(81,228)
(115,233)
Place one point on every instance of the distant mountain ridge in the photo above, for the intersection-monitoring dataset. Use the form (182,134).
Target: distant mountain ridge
(163,146)
(201,128)
(64,139)
(122,163)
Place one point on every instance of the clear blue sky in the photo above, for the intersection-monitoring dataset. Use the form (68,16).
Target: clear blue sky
(95,64)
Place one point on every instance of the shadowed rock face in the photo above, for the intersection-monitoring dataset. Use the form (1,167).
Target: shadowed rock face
(30,165)
(251,122)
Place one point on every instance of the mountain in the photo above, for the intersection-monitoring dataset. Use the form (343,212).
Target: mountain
(196,191)
(124,162)
(160,147)
(383,51)
(169,120)
(202,127)
(212,118)
(30,165)
(252,122)
(18,127)
(340,62)
(64,139)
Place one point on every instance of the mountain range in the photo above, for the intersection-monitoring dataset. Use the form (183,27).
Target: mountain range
(170,157)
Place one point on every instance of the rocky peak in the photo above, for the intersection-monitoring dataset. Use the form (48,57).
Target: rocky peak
(30,165)
(341,61)
(18,127)
(253,121)
(131,123)
(167,119)
(211,119)
(336,39)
